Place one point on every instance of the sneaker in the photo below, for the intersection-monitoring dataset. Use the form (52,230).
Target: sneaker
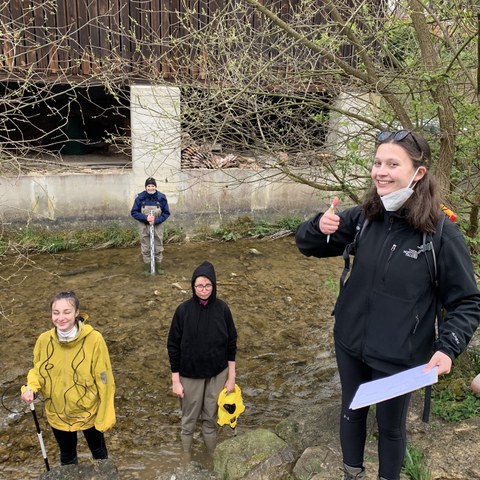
(353,473)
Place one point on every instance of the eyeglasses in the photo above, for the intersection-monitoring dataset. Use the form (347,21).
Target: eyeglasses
(208,286)
(397,137)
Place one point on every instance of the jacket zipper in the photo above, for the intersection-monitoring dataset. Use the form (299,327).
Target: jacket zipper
(417,321)
(392,249)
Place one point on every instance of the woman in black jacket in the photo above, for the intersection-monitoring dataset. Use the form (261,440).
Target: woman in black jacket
(409,259)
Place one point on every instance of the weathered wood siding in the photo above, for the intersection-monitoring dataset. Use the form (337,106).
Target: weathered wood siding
(135,38)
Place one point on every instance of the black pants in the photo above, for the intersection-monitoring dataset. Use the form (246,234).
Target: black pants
(391,419)
(67,441)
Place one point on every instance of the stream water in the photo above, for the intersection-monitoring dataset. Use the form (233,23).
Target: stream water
(281,302)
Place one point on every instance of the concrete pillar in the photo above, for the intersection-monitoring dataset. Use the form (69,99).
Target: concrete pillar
(155,125)
(342,128)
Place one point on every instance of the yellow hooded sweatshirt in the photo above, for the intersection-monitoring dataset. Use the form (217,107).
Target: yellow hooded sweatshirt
(75,379)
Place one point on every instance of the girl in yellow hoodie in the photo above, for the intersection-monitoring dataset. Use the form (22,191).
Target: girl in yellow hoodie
(72,371)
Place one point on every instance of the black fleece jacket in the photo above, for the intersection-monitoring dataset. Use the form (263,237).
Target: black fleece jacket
(385,314)
(202,338)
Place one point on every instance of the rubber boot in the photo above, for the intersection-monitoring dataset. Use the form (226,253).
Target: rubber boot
(210,443)
(353,473)
(186,447)
(186,442)
(158,269)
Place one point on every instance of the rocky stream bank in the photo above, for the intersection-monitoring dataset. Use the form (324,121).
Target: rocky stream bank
(305,446)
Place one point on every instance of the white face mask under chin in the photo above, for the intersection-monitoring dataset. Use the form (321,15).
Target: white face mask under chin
(393,201)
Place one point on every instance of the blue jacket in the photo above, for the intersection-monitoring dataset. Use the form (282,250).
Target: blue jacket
(158,199)
(386,312)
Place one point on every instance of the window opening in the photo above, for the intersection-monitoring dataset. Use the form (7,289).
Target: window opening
(63,127)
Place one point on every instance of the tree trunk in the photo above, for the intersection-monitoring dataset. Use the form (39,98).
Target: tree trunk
(440,92)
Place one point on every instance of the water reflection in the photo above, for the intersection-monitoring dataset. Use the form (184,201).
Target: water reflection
(281,304)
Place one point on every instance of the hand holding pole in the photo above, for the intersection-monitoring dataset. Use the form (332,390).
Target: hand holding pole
(331,209)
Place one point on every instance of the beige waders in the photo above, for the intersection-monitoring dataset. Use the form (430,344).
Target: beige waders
(200,402)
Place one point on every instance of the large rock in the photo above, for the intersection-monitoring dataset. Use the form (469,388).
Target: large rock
(310,426)
(255,455)
(321,461)
(306,445)
(97,470)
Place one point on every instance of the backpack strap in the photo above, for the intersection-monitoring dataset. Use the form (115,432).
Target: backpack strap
(351,247)
(433,246)
(436,238)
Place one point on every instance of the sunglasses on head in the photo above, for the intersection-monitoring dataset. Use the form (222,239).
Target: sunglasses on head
(397,136)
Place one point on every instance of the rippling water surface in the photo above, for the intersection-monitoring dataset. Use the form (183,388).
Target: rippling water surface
(281,303)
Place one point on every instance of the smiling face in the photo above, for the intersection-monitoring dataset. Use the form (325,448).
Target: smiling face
(151,189)
(393,169)
(64,314)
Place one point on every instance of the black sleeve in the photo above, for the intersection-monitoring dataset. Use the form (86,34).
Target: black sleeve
(312,242)
(174,341)
(458,293)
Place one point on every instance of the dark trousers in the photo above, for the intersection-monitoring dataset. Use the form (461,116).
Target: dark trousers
(391,418)
(67,441)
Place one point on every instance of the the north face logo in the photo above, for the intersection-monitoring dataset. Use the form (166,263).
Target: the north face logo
(411,253)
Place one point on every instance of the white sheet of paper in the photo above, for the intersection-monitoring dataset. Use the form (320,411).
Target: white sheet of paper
(393,386)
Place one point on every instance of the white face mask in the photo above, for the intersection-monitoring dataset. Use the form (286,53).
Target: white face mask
(393,201)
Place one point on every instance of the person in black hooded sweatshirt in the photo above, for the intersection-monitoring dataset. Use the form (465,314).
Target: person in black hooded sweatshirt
(202,344)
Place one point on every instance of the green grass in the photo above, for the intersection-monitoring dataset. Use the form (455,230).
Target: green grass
(246,227)
(414,466)
(47,241)
(226,234)
(43,240)
(452,399)
(332,285)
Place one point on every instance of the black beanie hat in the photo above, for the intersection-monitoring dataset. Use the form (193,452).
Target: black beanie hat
(150,181)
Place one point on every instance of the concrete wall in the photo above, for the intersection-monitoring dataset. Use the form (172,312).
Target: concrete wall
(196,197)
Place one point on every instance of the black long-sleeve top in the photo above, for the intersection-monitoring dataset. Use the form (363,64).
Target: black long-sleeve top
(202,337)
(386,312)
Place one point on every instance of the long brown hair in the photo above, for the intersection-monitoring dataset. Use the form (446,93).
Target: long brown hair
(422,208)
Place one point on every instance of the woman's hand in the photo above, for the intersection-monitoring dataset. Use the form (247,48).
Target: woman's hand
(230,385)
(177,386)
(440,360)
(177,389)
(329,223)
(28,396)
